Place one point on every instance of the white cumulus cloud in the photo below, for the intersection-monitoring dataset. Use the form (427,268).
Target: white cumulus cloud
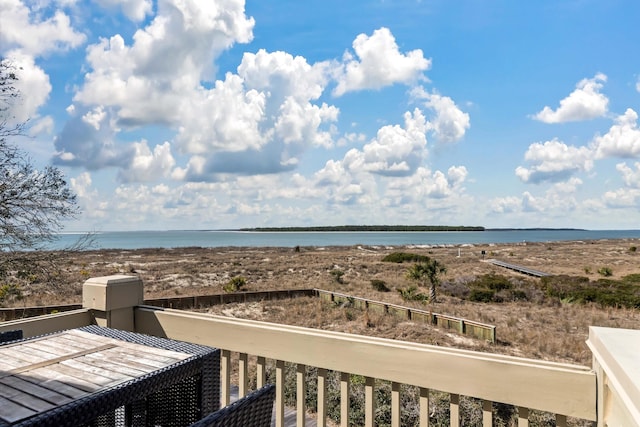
(425,184)
(226,117)
(140,81)
(631,177)
(622,198)
(584,103)
(554,161)
(259,120)
(282,75)
(136,10)
(456,175)
(622,139)
(449,123)
(395,151)
(379,63)
(35,33)
(508,204)
(33,86)
(147,165)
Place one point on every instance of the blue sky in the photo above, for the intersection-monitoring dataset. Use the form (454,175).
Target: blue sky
(179,114)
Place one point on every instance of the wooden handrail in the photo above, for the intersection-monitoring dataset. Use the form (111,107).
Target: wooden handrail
(552,387)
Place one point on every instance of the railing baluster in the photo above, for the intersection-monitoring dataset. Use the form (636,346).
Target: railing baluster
(561,420)
(301,394)
(225,377)
(424,407)
(395,404)
(322,397)
(487,413)
(523,417)
(344,399)
(369,402)
(545,382)
(243,380)
(454,410)
(261,372)
(279,393)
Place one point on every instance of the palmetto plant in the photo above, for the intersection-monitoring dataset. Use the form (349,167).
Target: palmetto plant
(425,272)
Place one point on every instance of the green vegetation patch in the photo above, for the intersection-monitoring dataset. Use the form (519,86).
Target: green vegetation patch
(494,288)
(235,284)
(379,285)
(605,292)
(411,293)
(632,278)
(400,257)
(9,291)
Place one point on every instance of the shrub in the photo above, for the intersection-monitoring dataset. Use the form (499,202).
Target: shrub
(27,275)
(411,293)
(456,288)
(605,292)
(605,271)
(497,288)
(562,286)
(235,284)
(632,278)
(481,295)
(337,275)
(633,249)
(400,257)
(495,282)
(518,294)
(379,285)
(10,291)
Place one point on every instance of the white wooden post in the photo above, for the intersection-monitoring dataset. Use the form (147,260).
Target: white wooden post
(112,300)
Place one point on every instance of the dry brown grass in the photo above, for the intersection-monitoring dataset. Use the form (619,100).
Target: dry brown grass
(548,329)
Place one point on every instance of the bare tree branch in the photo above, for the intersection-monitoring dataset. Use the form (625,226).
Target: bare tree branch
(33,203)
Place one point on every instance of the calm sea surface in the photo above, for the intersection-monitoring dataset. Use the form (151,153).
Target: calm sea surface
(173,239)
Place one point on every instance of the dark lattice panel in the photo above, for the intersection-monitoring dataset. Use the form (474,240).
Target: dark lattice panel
(253,410)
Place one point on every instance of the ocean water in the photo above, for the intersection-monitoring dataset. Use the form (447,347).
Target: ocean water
(174,239)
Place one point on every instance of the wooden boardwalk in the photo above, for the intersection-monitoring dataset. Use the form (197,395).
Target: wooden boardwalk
(519,268)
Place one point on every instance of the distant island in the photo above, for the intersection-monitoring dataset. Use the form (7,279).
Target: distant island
(536,229)
(397,228)
(349,228)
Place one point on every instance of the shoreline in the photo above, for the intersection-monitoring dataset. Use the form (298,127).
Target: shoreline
(359,246)
(177,239)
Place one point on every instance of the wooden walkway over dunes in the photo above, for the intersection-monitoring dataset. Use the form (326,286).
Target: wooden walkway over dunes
(519,268)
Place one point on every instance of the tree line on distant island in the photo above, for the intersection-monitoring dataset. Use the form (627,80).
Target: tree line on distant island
(343,228)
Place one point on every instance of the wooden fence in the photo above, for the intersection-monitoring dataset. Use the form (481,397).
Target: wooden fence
(181,303)
(463,326)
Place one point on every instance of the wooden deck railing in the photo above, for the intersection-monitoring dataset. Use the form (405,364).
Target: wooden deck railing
(561,389)
(609,393)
